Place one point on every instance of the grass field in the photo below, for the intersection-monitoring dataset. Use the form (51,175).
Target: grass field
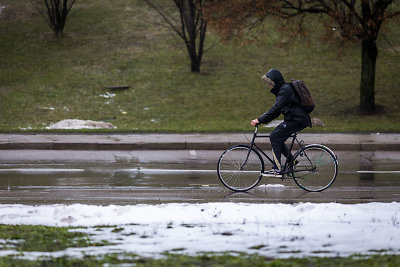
(44,80)
(207,260)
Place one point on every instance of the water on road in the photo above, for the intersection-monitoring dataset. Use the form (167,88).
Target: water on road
(151,177)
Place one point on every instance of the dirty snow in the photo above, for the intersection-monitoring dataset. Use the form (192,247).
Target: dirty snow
(81,124)
(273,230)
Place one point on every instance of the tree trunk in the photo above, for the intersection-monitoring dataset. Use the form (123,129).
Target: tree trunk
(192,28)
(367,86)
(195,65)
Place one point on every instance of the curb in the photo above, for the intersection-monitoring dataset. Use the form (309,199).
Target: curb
(175,146)
(195,141)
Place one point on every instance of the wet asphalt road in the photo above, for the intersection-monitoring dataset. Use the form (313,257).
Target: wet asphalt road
(153,177)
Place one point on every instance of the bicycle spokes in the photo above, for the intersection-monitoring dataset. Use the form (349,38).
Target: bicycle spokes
(313,167)
(317,168)
(240,167)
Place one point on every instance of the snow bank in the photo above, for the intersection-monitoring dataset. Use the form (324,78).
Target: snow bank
(81,124)
(276,230)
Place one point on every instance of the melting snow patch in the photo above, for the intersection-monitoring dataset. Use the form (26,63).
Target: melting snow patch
(48,108)
(25,128)
(108,95)
(270,187)
(273,230)
(81,124)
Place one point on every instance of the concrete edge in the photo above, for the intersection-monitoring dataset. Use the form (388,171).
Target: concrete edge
(175,146)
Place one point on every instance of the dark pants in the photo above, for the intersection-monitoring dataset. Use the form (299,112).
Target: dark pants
(278,137)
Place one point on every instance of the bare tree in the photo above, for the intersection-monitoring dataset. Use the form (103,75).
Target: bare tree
(191,26)
(55,13)
(359,20)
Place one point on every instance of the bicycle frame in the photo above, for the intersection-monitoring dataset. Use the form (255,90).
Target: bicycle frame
(313,167)
(254,145)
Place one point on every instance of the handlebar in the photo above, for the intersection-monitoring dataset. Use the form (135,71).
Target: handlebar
(256,128)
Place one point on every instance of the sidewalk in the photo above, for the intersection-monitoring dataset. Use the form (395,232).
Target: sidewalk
(206,141)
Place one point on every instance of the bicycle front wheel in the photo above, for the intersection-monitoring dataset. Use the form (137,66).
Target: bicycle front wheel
(315,168)
(240,168)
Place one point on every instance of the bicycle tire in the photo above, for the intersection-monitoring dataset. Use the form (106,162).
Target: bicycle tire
(316,168)
(233,174)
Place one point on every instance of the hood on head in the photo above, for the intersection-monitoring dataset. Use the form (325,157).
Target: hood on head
(277,77)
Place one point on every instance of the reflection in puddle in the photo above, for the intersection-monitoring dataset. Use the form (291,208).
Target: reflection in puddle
(127,180)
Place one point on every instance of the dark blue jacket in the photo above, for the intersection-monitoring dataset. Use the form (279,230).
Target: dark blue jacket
(287,102)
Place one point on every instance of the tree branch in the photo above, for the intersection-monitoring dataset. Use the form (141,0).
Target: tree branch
(165,17)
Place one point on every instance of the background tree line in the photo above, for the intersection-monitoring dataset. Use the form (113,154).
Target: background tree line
(355,20)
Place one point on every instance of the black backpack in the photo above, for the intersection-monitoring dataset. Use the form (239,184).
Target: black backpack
(306,99)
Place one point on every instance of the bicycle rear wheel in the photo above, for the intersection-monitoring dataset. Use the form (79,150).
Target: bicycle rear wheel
(240,168)
(316,169)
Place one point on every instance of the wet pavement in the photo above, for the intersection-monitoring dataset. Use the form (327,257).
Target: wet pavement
(165,176)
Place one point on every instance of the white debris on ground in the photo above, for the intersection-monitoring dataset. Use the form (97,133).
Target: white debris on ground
(317,122)
(108,95)
(49,108)
(273,124)
(273,230)
(27,128)
(81,124)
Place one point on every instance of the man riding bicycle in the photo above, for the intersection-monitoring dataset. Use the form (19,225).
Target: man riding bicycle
(295,117)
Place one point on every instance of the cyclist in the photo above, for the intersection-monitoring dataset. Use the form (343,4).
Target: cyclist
(295,117)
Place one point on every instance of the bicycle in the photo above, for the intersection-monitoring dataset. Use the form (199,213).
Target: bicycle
(314,167)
